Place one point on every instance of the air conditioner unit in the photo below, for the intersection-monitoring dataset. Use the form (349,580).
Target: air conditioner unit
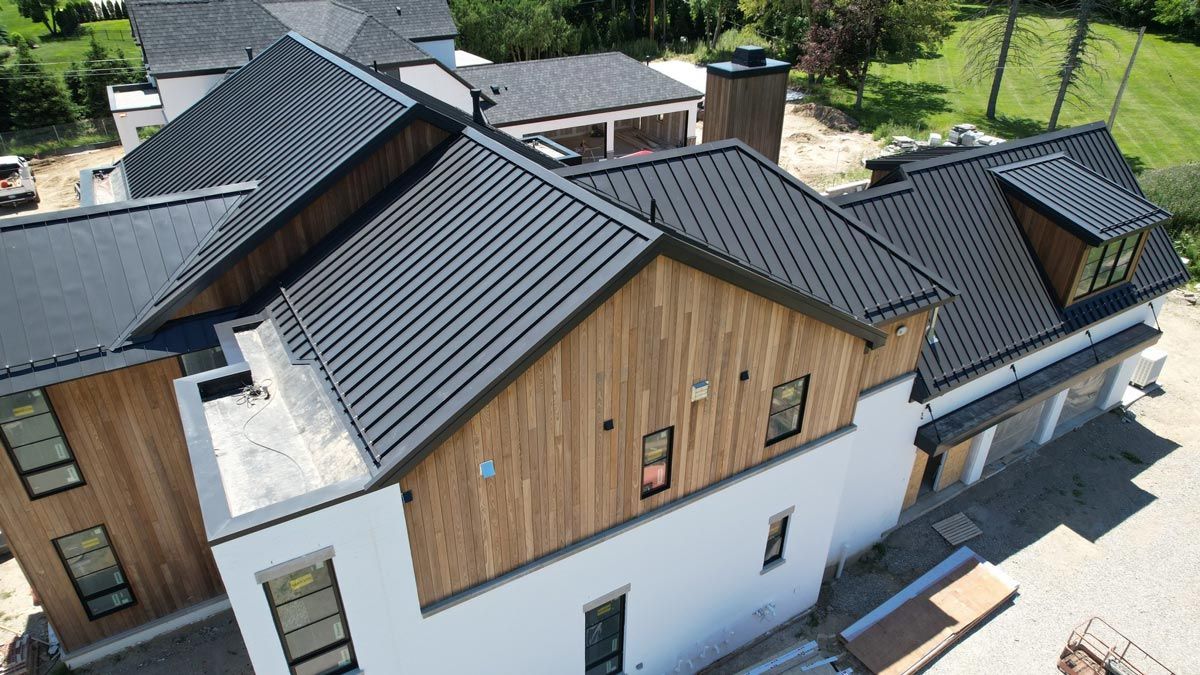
(1149,367)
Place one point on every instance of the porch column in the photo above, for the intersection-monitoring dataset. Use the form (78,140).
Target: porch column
(610,138)
(977,455)
(1118,379)
(690,132)
(1050,415)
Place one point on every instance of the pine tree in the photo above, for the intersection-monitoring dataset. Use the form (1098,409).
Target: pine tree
(997,42)
(1080,59)
(37,97)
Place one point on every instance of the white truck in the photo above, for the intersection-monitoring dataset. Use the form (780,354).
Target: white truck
(17,185)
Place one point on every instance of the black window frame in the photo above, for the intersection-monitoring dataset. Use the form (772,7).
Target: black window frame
(83,599)
(1130,243)
(347,641)
(784,521)
(670,431)
(619,652)
(23,474)
(802,405)
(183,363)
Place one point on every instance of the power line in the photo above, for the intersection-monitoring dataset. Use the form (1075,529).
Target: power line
(69,63)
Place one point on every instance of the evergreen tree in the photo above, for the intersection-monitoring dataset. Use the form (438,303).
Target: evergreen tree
(1080,60)
(88,81)
(37,97)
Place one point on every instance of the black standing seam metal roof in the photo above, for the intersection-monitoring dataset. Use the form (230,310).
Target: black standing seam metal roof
(529,91)
(294,135)
(72,280)
(1080,200)
(888,162)
(727,198)
(951,215)
(448,283)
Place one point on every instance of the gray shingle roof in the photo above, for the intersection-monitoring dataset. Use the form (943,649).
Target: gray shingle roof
(730,199)
(173,43)
(527,91)
(1084,202)
(951,215)
(449,281)
(73,279)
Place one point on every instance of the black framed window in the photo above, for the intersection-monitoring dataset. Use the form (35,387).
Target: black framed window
(656,461)
(604,637)
(1107,265)
(787,410)
(776,535)
(201,361)
(36,445)
(95,571)
(311,621)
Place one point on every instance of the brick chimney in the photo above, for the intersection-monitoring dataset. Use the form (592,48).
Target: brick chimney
(744,98)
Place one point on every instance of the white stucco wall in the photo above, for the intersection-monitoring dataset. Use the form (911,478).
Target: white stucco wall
(607,118)
(442,50)
(694,574)
(128,122)
(435,81)
(179,93)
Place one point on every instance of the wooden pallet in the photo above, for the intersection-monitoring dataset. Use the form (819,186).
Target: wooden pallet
(957,528)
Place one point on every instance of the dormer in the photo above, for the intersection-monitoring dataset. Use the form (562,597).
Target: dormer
(1087,231)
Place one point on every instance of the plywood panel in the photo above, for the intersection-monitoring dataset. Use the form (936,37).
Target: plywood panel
(318,219)
(920,460)
(953,465)
(560,477)
(899,355)
(124,429)
(749,108)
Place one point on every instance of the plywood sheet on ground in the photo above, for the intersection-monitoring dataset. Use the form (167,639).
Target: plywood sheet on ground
(925,625)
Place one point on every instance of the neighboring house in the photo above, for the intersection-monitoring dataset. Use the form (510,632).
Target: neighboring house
(598,105)
(610,418)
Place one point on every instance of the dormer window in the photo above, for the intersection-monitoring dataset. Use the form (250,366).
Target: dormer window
(1086,230)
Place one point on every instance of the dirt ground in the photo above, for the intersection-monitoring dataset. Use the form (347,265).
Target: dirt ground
(1101,522)
(211,647)
(56,178)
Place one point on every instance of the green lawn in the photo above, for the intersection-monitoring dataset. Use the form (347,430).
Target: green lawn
(58,54)
(1158,124)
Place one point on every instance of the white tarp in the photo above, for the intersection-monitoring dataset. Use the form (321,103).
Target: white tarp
(1014,432)
(1082,397)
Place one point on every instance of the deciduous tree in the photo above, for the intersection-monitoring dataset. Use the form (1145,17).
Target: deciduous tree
(997,41)
(1081,60)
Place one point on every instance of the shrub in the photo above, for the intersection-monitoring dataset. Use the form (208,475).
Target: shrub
(1174,189)
(639,49)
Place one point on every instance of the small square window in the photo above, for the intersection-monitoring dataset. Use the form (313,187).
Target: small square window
(787,410)
(776,534)
(656,461)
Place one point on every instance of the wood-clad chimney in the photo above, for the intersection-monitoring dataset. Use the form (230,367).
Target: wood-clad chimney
(744,98)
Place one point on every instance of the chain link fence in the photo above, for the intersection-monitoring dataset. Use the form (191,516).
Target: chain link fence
(58,137)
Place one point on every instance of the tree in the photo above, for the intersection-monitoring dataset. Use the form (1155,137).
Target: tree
(784,22)
(37,98)
(996,41)
(1080,60)
(1180,16)
(713,13)
(41,11)
(88,82)
(514,30)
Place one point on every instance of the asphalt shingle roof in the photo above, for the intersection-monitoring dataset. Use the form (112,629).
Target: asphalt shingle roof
(1084,202)
(728,198)
(952,215)
(526,91)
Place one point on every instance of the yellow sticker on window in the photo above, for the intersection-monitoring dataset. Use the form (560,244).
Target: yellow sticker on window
(300,582)
(90,543)
(23,411)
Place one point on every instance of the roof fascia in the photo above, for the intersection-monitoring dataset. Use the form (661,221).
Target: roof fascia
(594,111)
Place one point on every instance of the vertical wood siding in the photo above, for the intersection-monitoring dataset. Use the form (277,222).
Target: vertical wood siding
(1059,252)
(124,429)
(749,108)
(560,477)
(899,355)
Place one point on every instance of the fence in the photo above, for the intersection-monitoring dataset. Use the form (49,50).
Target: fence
(58,136)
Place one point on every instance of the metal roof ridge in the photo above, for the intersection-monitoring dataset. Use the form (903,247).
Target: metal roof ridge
(350,67)
(989,150)
(49,217)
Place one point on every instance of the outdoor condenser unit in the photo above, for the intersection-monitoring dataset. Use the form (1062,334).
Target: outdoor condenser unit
(1149,367)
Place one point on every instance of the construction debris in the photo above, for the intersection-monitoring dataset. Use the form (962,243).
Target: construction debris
(957,529)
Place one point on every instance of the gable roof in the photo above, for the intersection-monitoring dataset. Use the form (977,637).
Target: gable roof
(529,91)
(174,45)
(451,281)
(1087,204)
(293,135)
(729,199)
(74,279)
(951,215)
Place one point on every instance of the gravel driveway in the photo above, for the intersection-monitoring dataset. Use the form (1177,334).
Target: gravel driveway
(1105,521)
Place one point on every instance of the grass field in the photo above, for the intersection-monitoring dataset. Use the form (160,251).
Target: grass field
(58,54)
(1158,124)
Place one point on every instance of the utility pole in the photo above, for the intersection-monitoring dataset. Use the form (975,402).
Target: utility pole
(1112,117)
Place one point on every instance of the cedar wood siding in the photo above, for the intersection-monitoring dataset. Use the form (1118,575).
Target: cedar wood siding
(561,478)
(123,427)
(272,257)
(899,355)
(1060,253)
(750,108)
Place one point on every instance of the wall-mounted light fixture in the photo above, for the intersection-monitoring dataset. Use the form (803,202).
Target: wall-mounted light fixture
(608,425)
(901,329)
(744,376)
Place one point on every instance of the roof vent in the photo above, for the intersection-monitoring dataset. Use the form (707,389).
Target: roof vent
(399,12)
(249,53)
(495,89)
(749,56)
(477,106)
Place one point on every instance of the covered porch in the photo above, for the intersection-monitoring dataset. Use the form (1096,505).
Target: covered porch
(618,136)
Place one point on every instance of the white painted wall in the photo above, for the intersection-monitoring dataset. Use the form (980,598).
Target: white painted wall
(130,121)
(179,93)
(880,463)
(695,577)
(435,81)
(442,50)
(607,118)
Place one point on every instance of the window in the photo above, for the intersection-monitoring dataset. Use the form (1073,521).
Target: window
(201,361)
(776,535)
(36,445)
(604,637)
(787,410)
(656,462)
(311,622)
(1107,265)
(95,571)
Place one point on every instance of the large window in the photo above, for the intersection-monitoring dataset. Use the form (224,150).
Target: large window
(95,570)
(656,462)
(311,622)
(1107,265)
(604,637)
(36,444)
(202,361)
(787,410)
